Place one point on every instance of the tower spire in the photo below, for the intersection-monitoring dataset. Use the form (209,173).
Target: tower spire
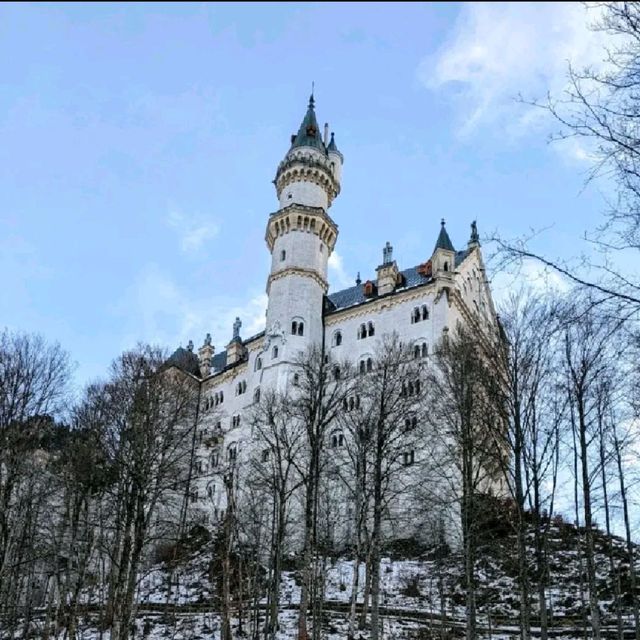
(309,134)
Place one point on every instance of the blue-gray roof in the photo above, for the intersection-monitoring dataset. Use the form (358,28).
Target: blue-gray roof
(185,360)
(355,295)
(219,361)
(309,132)
(444,241)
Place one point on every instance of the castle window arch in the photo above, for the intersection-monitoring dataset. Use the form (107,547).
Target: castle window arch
(256,395)
(296,379)
(274,352)
(415,315)
(283,255)
(362,331)
(424,350)
(258,364)
(425,312)
(337,338)
(337,439)
(297,327)
(446,266)
(232,452)
(371,329)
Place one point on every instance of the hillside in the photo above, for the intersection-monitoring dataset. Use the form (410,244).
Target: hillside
(419,589)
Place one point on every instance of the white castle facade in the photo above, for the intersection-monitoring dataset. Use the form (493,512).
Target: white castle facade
(420,303)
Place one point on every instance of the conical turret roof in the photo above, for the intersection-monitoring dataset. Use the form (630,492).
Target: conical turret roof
(444,242)
(309,132)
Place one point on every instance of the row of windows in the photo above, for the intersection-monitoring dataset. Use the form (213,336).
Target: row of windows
(366,330)
(420,350)
(410,388)
(213,401)
(349,404)
(419,313)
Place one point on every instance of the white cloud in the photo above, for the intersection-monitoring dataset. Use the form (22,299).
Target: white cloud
(501,50)
(338,276)
(531,274)
(193,231)
(155,309)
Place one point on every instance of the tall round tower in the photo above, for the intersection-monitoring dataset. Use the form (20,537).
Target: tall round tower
(301,236)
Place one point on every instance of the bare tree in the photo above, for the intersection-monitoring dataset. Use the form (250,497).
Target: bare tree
(150,421)
(321,387)
(279,443)
(463,409)
(33,389)
(526,353)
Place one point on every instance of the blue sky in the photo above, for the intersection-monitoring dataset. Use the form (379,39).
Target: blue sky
(138,145)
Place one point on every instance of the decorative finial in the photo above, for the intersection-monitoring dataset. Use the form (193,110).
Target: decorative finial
(311,98)
(358,280)
(190,345)
(207,340)
(442,222)
(236,328)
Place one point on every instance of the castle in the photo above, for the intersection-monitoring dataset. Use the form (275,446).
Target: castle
(421,303)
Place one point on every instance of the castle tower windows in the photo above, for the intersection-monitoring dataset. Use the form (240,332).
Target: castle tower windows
(256,395)
(297,328)
(274,353)
(283,255)
(337,338)
(258,364)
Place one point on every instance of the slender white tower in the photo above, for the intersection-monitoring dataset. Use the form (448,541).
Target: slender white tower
(300,236)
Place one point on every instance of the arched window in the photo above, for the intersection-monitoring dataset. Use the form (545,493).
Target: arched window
(300,328)
(296,379)
(415,315)
(294,328)
(363,366)
(425,350)
(337,440)
(336,373)
(408,458)
(362,332)
(283,255)
(369,364)
(352,404)
(274,352)
(446,266)
(221,397)
(256,395)
(371,329)
(258,363)
(337,338)
(265,455)
(232,452)
(425,312)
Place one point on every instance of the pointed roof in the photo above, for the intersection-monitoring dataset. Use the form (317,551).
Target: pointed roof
(309,132)
(443,242)
(332,147)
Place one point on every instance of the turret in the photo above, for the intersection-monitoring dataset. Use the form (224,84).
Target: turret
(236,351)
(301,236)
(307,175)
(444,255)
(205,356)
(387,271)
